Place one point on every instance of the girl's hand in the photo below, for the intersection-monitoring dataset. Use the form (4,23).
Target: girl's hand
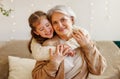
(70,51)
(81,38)
(59,55)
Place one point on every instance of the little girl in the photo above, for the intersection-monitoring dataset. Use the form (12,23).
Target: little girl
(42,31)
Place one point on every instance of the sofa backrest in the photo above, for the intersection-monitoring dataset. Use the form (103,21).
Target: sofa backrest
(20,48)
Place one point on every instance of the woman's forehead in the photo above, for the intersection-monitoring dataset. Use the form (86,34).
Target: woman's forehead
(58,15)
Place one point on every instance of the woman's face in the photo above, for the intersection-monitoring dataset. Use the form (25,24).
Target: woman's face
(61,23)
(44,28)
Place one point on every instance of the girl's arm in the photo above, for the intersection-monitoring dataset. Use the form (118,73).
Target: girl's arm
(40,52)
(45,70)
(49,69)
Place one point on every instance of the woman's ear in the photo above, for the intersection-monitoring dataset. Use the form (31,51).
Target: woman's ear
(72,19)
(36,32)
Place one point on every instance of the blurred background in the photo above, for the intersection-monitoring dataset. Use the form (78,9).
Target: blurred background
(100,17)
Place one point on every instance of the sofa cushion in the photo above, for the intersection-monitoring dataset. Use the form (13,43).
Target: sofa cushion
(12,48)
(20,68)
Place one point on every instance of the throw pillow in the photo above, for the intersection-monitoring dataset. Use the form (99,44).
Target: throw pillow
(20,68)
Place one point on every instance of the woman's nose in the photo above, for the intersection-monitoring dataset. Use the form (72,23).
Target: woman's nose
(60,24)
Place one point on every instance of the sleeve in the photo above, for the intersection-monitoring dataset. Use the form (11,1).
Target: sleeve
(72,43)
(95,61)
(45,70)
(40,52)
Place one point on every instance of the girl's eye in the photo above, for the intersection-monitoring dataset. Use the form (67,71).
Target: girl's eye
(47,25)
(41,29)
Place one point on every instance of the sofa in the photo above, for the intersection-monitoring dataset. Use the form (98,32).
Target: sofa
(18,49)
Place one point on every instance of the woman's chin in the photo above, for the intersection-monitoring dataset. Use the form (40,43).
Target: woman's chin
(65,32)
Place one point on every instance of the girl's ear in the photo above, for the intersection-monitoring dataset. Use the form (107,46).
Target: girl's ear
(36,32)
(72,19)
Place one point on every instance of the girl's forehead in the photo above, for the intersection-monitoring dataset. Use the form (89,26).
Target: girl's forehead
(36,23)
(39,20)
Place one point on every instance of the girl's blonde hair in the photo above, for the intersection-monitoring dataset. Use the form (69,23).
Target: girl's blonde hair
(35,17)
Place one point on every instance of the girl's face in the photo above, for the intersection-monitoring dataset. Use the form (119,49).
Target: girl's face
(62,24)
(43,28)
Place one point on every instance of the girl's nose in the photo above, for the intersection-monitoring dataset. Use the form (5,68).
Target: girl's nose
(46,30)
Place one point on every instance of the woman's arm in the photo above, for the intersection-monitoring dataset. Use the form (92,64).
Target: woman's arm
(95,61)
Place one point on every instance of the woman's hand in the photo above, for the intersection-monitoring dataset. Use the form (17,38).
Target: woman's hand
(81,38)
(59,54)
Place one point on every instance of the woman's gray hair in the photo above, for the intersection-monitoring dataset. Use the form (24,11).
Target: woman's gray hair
(62,9)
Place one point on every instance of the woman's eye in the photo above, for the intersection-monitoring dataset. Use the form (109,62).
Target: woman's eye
(63,19)
(54,23)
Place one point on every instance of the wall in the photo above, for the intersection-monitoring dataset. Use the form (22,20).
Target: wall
(100,17)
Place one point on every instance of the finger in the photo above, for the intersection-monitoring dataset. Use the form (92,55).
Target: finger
(71,54)
(74,34)
(57,49)
(78,35)
(75,31)
(66,51)
(80,32)
(61,49)
(50,52)
(64,46)
(75,37)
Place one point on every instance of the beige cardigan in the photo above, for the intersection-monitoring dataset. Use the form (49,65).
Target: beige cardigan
(93,62)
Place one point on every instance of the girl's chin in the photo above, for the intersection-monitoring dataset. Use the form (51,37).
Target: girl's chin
(50,36)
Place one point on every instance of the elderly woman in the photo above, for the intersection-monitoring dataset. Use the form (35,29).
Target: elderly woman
(87,58)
